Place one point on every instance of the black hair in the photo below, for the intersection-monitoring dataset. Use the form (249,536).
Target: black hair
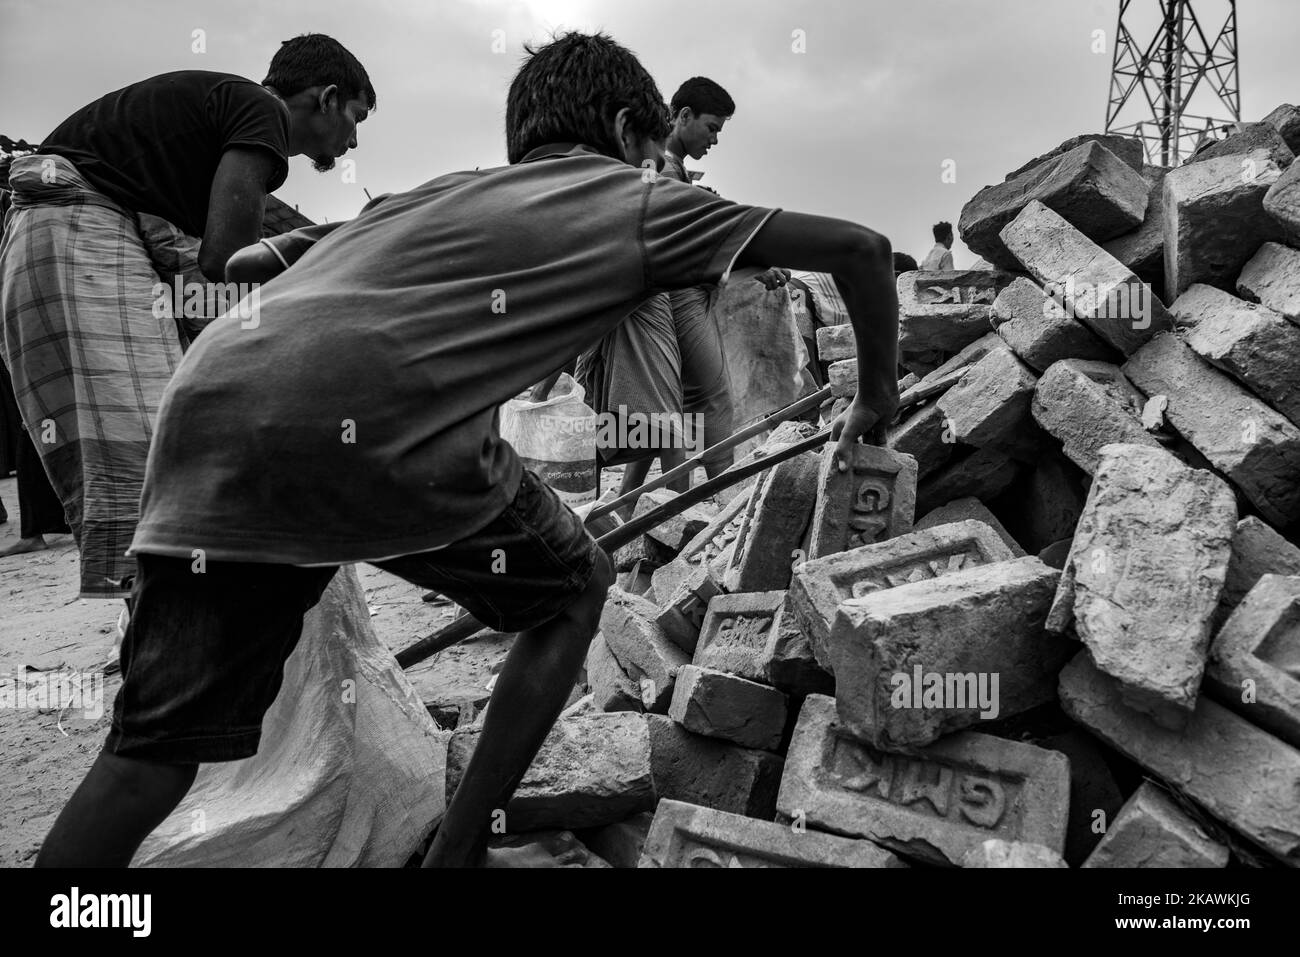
(314,59)
(570,90)
(702,95)
(904,263)
(942,231)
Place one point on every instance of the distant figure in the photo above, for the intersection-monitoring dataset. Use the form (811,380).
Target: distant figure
(940,258)
(905,263)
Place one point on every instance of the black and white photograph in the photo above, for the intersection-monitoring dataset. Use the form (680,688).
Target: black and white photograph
(604,435)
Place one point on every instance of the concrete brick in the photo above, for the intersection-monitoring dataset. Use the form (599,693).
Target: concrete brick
(918,661)
(1254,665)
(735,632)
(1143,251)
(1145,574)
(1039,330)
(1241,775)
(1272,278)
(1251,343)
(926,437)
(591,770)
(1152,831)
(1092,285)
(967,357)
(984,474)
(620,843)
(1286,120)
(998,853)
(1256,448)
(719,705)
(668,539)
(774,525)
(946,311)
(682,612)
(1088,186)
(1257,550)
(1087,405)
(933,806)
(788,659)
(990,404)
(641,647)
(611,687)
(820,585)
(873,500)
(1251,137)
(639,549)
(704,549)
(1214,219)
(698,770)
(687,835)
(842,377)
(1056,554)
(835,343)
(969,509)
(1127,149)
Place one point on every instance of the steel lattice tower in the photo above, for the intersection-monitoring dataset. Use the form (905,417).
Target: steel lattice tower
(1152,87)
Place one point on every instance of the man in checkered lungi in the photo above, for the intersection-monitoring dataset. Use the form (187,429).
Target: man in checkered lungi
(112,202)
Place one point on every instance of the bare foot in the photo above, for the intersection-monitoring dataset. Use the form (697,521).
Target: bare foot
(25,545)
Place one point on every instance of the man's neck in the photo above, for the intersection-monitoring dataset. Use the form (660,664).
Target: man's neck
(295,135)
(676,147)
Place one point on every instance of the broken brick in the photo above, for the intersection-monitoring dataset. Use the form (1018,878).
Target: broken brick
(719,705)
(920,660)
(1145,574)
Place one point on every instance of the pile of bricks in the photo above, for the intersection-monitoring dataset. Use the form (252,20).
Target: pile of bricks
(1055,623)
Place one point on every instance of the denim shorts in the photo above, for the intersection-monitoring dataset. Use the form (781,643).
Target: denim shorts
(203,656)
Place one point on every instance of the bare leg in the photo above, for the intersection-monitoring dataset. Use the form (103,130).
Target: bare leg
(529,695)
(634,475)
(669,459)
(113,810)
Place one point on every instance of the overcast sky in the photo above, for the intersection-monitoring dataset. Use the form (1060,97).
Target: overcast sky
(859,126)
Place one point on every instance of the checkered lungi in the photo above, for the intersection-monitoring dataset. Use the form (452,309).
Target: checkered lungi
(88,348)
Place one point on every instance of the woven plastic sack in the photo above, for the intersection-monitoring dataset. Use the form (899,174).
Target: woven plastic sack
(350,771)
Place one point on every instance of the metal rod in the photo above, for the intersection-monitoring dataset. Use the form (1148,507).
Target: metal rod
(467,626)
(806,404)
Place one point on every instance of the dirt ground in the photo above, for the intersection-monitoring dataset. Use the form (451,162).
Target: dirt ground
(44,627)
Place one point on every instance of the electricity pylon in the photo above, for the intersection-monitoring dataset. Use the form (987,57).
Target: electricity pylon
(1153,85)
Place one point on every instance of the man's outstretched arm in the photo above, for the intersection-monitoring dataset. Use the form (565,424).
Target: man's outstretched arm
(862,264)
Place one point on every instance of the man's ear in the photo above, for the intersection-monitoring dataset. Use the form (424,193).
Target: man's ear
(624,135)
(328,99)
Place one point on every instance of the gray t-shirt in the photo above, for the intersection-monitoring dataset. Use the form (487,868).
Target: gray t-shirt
(357,419)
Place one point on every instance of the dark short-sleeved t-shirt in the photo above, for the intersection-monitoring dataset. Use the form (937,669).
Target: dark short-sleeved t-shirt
(357,419)
(153,146)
